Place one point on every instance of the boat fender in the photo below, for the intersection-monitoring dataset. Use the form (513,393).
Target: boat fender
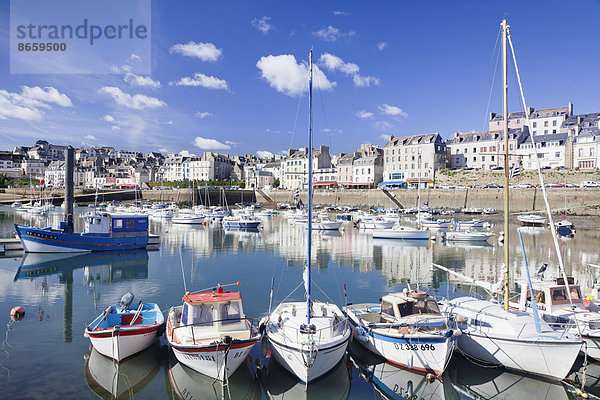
(361,334)
(448,333)
(17,313)
(430,377)
(264,346)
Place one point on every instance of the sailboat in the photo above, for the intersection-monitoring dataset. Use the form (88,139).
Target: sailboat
(307,338)
(494,334)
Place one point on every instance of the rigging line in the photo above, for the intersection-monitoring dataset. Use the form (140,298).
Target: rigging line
(487,76)
(323,108)
(543,186)
(322,291)
(487,110)
(296,119)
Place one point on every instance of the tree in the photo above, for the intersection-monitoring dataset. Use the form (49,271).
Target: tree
(276,183)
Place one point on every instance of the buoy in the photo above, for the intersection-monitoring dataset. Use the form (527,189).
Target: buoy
(17,313)
(430,377)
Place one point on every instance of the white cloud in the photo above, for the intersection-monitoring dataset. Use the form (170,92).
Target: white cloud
(26,105)
(209,144)
(142,81)
(262,24)
(365,81)
(332,62)
(286,76)
(229,142)
(203,51)
(169,122)
(90,137)
(186,153)
(331,34)
(382,45)
(209,82)
(384,125)
(137,101)
(163,150)
(385,137)
(338,13)
(269,130)
(202,115)
(115,128)
(108,118)
(392,110)
(265,154)
(364,114)
(135,57)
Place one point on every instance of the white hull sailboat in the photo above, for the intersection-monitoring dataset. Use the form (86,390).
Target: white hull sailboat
(307,338)
(401,232)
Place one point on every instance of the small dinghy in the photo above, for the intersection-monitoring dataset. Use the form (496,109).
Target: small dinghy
(120,332)
(407,329)
(209,332)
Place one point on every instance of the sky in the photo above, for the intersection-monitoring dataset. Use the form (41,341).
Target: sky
(231,76)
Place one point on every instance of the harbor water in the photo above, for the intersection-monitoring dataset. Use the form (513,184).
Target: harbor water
(45,355)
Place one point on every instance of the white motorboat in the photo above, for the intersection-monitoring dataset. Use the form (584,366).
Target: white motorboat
(307,338)
(468,236)
(436,224)
(474,224)
(241,221)
(120,332)
(209,332)
(531,220)
(406,329)
(373,223)
(187,217)
(496,336)
(401,232)
(553,302)
(324,223)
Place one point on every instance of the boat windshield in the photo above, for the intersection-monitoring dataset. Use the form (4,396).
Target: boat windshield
(198,315)
(559,295)
(418,307)
(230,313)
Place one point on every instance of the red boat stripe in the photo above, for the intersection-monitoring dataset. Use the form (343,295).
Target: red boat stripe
(184,349)
(106,333)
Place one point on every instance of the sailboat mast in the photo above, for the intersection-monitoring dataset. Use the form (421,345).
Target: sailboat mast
(310,151)
(506,161)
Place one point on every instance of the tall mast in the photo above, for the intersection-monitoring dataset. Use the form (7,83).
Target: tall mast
(310,151)
(506,163)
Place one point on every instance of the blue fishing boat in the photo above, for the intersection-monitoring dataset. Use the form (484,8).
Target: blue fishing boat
(102,232)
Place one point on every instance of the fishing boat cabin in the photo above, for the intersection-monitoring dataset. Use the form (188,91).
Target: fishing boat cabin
(552,298)
(116,225)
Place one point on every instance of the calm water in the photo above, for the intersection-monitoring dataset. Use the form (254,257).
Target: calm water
(46,356)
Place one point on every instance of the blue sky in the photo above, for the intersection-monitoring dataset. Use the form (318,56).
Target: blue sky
(227,76)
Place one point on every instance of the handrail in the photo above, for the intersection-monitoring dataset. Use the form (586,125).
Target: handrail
(249,321)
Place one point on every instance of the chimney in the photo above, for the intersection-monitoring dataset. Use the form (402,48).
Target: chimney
(570,109)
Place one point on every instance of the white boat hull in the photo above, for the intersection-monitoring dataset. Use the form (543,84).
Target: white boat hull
(290,356)
(550,359)
(123,344)
(427,353)
(241,224)
(211,360)
(188,220)
(326,226)
(407,234)
(375,224)
(468,236)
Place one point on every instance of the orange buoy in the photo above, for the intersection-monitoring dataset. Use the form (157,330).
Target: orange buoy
(17,313)
(430,377)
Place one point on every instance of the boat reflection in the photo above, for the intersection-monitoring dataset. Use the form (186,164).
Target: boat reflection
(472,381)
(105,266)
(468,245)
(186,384)
(111,380)
(588,375)
(532,230)
(280,384)
(393,382)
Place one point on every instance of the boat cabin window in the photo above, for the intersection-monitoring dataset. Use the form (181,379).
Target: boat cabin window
(117,223)
(387,308)
(559,295)
(198,315)
(230,313)
(540,297)
(130,224)
(418,307)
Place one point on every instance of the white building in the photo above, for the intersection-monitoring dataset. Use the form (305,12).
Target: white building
(367,172)
(552,151)
(586,149)
(414,157)
(295,167)
(545,121)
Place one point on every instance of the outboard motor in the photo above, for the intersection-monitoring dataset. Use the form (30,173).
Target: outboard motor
(126,301)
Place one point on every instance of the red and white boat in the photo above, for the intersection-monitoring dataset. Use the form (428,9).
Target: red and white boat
(209,332)
(120,332)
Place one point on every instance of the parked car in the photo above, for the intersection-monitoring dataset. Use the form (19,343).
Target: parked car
(589,184)
(493,186)
(524,186)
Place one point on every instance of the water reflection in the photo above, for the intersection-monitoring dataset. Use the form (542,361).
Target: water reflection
(112,380)
(587,375)
(472,381)
(186,384)
(278,383)
(397,383)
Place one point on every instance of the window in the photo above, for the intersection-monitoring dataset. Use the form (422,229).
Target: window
(118,223)
(130,224)
(580,152)
(545,123)
(387,308)
(591,151)
(492,158)
(474,159)
(535,124)
(553,123)
(482,158)
(474,150)
(534,133)
(426,165)
(466,150)
(200,315)
(557,154)
(230,313)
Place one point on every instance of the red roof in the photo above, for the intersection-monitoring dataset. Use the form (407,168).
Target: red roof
(211,297)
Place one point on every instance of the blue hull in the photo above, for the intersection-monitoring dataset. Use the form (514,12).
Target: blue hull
(35,240)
